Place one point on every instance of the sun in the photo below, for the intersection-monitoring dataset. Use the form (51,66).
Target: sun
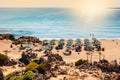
(91,9)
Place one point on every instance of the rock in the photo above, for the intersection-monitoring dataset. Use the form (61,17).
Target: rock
(56,67)
(62,63)
(51,59)
(58,57)
(107,77)
(95,75)
(6,36)
(62,72)
(29,39)
(11,62)
(21,65)
(48,74)
(54,74)
(109,66)
(39,77)
(54,57)
(75,74)
(42,60)
(25,39)
(27,56)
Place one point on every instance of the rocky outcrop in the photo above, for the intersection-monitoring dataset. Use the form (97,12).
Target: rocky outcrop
(6,36)
(54,57)
(27,56)
(26,39)
(29,39)
(109,66)
(11,62)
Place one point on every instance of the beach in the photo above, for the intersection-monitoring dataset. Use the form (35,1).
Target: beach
(110,53)
(60,40)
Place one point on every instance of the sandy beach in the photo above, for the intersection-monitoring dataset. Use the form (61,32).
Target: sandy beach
(111,52)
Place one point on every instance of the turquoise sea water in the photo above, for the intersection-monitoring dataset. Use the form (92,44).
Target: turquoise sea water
(55,23)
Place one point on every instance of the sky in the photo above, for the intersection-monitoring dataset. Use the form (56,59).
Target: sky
(48,3)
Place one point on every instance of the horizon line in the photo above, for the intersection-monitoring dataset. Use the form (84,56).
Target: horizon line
(56,7)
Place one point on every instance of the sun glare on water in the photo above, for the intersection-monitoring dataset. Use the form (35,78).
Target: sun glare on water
(91,10)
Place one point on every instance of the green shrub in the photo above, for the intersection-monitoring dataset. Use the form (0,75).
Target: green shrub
(31,66)
(29,75)
(9,76)
(16,78)
(41,68)
(80,62)
(3,59)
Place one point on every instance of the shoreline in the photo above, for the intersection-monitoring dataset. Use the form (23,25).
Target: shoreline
(73,38)
(79,38)
(61,38)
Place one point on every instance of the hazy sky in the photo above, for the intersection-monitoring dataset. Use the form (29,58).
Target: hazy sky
(47,3)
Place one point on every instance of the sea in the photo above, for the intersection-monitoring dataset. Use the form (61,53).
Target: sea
(56,23)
